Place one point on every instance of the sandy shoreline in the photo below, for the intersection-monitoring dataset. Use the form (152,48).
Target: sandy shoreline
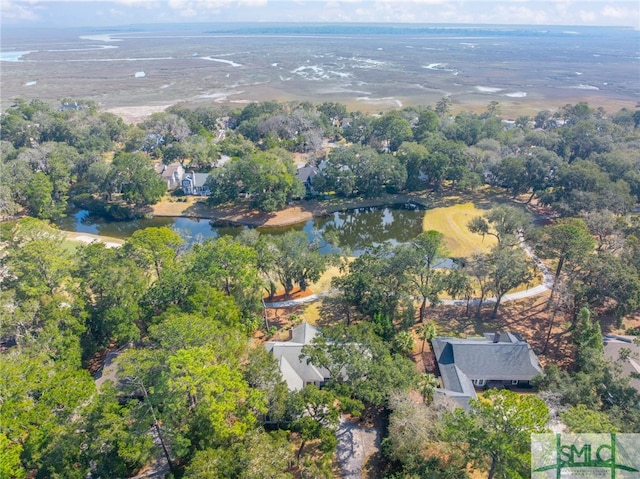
(89,238)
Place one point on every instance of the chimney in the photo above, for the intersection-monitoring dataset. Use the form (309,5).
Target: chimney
(496,337)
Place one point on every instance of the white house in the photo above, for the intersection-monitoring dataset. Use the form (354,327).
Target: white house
(194,184)
(297,371)
(172,174)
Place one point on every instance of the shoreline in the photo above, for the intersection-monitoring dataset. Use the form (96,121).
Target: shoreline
(88,238)
(300,212)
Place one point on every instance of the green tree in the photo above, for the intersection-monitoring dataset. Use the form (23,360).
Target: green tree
(175,152)
(413,157)
(403,343)
(177,330)
(435,168)
(212,396)
(497,431)
(113,287)
(374,284)
(479,268)
(428,123)
(361,364)
(508,269)
(568,242)
(392,129)
(38,264)
(506,223)
(297,260)
(117,443)
(153,248)
(232,268)
(611,281)
(511,173)
(10,466)
(540,171)
(268,177)
(317,418)
(580,419)
(427,385)
(423,258)
(443,106)
(132,175)
(260,455)
(42,402)
(39,193)
(361,170)
(426,332)
(262,372)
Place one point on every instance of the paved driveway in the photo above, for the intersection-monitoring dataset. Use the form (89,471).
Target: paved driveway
(355,445)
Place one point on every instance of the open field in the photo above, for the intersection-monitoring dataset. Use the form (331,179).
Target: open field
(452,222)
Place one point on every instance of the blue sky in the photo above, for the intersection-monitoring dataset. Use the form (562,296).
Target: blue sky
(89,13)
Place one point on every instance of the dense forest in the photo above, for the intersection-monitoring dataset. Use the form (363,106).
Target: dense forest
(195,390)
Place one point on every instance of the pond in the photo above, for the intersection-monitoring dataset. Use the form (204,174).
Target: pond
(352,230)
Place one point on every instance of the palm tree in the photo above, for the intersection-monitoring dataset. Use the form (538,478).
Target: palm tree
(427,385)
(426,332)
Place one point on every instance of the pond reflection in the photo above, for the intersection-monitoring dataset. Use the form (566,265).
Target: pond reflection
(353,230)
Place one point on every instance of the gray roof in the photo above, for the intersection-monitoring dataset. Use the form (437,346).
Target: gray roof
(296,369)
(613,344)
(304,333)
(198,179)
(494,357)
(457,384)
(307,173)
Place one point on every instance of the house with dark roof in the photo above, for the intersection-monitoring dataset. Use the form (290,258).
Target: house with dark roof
(494,360)
(306,174)
(194,184)
(625,350)
(297,370)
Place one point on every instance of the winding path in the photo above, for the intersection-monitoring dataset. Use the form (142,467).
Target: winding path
(546,285)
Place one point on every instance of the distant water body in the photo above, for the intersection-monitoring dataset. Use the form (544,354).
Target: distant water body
(379,66)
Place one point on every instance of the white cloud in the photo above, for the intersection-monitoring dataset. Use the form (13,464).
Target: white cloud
(555,12)
(136,3)
(13,11)
(621,12)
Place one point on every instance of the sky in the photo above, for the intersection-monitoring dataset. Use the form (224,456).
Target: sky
(102,13)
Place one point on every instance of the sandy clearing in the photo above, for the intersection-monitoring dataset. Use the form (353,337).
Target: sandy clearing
(89,238)
(137,114)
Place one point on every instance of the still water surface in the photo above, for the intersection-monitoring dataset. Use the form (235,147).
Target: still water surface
(353,229)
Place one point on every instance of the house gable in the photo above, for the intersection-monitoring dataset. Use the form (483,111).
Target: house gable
(194,184)
(296,369)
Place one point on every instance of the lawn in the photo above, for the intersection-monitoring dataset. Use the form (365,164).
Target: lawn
(452,222)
